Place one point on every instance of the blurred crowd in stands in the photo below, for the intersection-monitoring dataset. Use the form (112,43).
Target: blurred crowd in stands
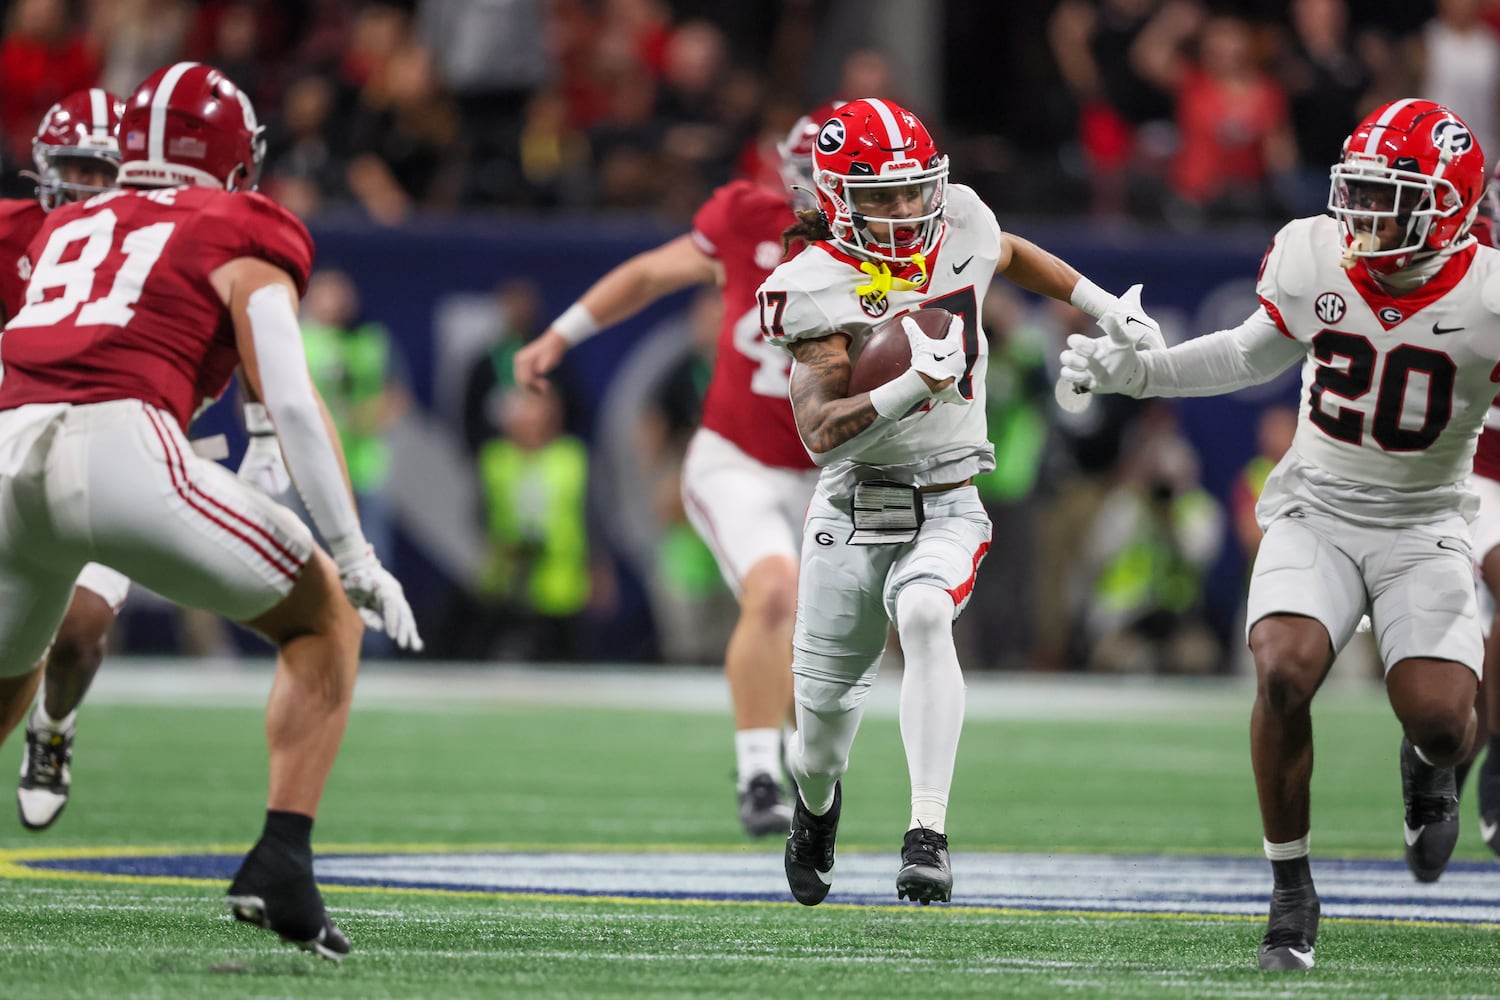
(1179,110)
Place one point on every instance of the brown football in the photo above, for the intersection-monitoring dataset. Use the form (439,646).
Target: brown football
(885,353)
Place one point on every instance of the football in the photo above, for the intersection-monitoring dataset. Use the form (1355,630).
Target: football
(885,353)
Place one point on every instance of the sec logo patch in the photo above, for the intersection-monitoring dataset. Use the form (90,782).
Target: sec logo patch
(1330,307)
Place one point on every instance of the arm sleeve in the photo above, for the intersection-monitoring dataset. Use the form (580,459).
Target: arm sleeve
(1256,351)
(289,396)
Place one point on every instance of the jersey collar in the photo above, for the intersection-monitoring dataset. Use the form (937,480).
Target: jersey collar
(1389,310)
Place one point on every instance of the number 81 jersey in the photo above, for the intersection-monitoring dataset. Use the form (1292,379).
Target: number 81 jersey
(119,304)
(1395,388)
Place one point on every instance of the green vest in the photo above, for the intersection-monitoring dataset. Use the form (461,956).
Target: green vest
(350,369)
(535,511)
(1150,572)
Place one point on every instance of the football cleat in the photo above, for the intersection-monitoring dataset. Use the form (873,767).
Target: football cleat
(1431,829)
(1489,801)
(762,809)
(809,850)
(46,777)
(1291,930)
(274,889)
(925,875)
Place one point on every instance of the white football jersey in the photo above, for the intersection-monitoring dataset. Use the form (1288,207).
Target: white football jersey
(813,294)
(1394,388)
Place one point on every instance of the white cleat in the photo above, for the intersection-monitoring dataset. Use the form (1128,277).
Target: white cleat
(46,777)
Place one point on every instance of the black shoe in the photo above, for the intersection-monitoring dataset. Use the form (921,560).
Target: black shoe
(1291,931)
(925,876)
(1488,782)
(1431,796)
(274,889)
(46,777)
(762,809)
(809,850)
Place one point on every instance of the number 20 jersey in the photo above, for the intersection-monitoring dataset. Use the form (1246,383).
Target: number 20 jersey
(813,294)
(1394,388)
(119,304)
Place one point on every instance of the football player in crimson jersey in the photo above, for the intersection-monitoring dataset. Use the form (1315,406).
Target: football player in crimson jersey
(1393,309)
(77,155)
(746,479)
(895,530)
(141,304)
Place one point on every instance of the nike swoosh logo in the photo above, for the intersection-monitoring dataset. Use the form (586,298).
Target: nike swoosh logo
(1438,331)
(959,268)
(1412,836)
(1304,957)
(1487,830)
(825,877)
(1452,546)
(944,357)
(1134,319)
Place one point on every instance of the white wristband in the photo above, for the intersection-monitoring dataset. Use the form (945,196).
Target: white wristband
(1092,299)
(894,399)
(576,324)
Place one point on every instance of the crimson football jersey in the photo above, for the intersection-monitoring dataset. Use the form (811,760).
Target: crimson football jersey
(740,226)
(20,218)
(119,305)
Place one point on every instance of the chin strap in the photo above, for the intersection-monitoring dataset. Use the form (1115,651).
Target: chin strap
(883,281)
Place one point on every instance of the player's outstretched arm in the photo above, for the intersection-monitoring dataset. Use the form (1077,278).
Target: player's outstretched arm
(262,305)
(620,294)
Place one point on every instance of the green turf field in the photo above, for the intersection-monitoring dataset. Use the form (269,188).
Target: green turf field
(523,775)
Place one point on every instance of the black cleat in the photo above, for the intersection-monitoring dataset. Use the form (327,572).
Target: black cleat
(1488,780)
(809,850)
(274,889)
(1431,831)
(925,875)
(1291,930)
(762,809)
(46,777)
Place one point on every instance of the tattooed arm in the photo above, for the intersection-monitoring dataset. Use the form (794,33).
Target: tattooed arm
(833,425)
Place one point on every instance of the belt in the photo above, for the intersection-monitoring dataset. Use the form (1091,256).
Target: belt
(944,487)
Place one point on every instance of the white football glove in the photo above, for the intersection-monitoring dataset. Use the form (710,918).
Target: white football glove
(378,596)
(263,467)
(1109,363)
(939,359)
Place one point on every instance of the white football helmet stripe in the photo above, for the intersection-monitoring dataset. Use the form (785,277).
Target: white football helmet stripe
(156,138)
(1380,125)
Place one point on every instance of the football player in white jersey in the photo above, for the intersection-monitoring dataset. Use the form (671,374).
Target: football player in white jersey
(895,531)
(1394,311)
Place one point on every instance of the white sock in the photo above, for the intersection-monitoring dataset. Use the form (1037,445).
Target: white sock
(1289,851)
(41,720)
(757,751)
(932,700)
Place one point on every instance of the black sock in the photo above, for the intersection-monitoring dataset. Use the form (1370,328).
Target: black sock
(1292,873)
(290,829)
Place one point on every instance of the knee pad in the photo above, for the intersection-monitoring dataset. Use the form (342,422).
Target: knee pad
(923,612)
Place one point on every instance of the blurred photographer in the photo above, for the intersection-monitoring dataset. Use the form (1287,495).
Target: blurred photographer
(1149,549)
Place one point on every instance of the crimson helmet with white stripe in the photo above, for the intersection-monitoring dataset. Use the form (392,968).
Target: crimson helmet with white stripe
(865,155)
(188,124)
(81,126)
(1415,162)
(796,152)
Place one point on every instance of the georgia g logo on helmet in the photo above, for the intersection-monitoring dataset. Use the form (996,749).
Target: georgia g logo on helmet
(831,136)
(1452,134)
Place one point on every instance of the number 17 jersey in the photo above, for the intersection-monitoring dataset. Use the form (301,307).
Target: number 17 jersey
(119,304)
(1395,388)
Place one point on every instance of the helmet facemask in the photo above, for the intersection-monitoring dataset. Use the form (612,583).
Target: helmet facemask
(1366,196)
(52,189)
(906,206)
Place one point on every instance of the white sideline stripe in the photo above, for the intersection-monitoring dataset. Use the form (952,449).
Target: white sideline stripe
(234,683)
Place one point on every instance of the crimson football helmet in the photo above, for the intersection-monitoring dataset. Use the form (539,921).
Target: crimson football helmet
(796,152)
(867,156)
(81,127)
(188,124)
(1414,162)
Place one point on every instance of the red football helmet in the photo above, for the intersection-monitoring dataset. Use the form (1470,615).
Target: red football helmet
(188,124)
(1414,162)
(81,127)
(867,156)
(796,152)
